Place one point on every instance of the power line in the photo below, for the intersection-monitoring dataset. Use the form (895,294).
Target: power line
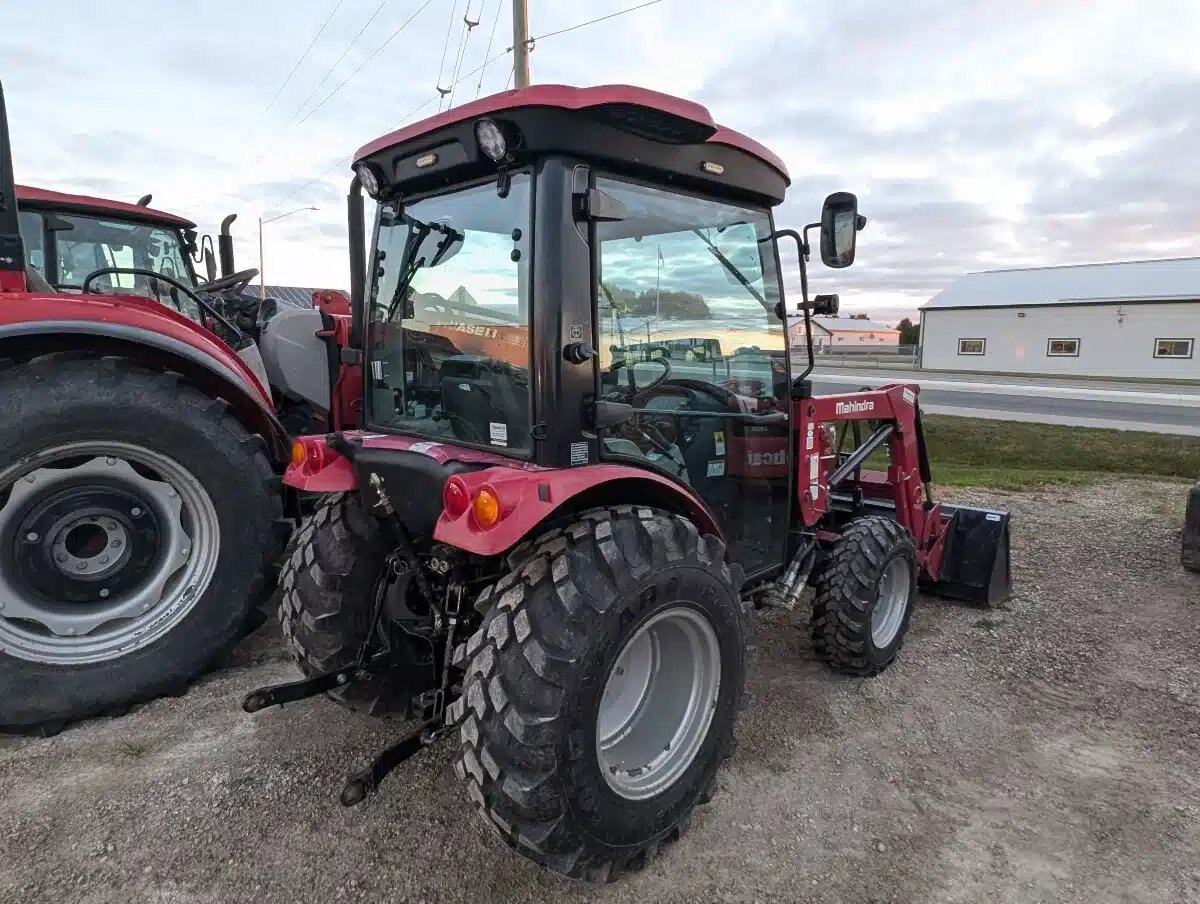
(487,53)
(445,47)
(477,70)
(329,71)
(620,12)
(271,102)
(378,50)
(468,27)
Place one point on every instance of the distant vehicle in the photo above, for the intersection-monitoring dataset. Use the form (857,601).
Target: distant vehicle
(687,349)
(694,349)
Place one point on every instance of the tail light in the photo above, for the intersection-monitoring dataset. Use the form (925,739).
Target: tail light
(310,451)
(455,498)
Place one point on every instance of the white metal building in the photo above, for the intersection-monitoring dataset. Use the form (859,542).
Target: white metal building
(1125,319)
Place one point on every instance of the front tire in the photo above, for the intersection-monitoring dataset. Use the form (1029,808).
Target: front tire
(865,595)
(557,753)
(137,530)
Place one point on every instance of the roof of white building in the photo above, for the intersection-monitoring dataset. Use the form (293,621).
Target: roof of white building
(1171,279)
(846,325)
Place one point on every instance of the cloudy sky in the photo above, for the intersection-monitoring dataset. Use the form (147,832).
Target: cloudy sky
(977,133)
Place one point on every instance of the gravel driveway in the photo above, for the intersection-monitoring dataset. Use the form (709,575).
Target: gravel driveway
(1046,751)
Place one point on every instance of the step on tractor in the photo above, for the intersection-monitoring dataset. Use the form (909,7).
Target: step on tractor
(142,515)
(543,544)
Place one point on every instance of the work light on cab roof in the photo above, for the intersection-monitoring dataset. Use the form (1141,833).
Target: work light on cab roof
(491,139)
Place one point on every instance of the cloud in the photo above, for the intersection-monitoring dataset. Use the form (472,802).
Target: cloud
(976,134)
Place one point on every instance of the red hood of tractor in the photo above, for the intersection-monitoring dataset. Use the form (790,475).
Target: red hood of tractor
(128,311)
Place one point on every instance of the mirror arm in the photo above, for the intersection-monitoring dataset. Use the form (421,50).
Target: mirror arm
(805,247)
(802,250)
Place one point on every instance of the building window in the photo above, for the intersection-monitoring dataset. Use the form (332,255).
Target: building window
(972,346)
(1062,348)
(1173,348)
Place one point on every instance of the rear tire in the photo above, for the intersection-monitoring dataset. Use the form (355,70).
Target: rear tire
(126,434)
(326,601)
(536,714)
(865,594)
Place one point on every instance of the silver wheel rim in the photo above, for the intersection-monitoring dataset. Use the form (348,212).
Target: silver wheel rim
(895,585)
(150,602)
(658,703)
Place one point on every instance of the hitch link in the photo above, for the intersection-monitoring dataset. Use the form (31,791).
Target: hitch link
(428,732)
(279,694)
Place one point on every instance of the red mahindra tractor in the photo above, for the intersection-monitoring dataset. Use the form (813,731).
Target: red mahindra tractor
(543,551)
(141,512)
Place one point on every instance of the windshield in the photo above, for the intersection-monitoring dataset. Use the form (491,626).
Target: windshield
(83,244)
(449,334)
(691,282)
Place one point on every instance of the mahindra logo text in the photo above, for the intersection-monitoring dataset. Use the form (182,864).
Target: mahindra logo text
(853,407)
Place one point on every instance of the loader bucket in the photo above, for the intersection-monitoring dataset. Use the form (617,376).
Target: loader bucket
(975,565)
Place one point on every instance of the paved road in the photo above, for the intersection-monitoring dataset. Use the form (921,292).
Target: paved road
(1119,404)
(1157,408)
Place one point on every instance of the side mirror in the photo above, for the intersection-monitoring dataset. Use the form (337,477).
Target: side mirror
(210,266)
(840,223)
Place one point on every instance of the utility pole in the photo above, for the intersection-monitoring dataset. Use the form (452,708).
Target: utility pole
(521,43)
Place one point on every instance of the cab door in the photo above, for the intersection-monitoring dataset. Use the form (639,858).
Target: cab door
(676,274)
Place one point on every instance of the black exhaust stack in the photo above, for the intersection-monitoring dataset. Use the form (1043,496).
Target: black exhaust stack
(12,251)
(225,245)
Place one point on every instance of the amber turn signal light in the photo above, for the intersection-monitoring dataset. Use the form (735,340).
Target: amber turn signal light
(486,508)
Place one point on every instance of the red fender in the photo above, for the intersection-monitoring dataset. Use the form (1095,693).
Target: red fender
(146,330)
(528,495)
(133,312)
(528,498)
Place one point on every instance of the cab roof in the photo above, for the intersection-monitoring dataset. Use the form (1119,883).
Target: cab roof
(44,198)
(646,115)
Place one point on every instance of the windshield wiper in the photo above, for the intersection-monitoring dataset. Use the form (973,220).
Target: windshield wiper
(410,263)
(732,270)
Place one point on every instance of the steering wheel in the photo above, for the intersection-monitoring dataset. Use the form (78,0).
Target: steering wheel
(634,389)
(205,306)
(235,281)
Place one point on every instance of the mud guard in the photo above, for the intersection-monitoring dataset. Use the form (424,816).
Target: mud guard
(529,496)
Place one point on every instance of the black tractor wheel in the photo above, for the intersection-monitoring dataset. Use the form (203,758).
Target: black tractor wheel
(139,522)
(602,689)
(865,593)
(327,589)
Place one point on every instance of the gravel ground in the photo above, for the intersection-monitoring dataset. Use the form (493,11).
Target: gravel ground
(1044,751)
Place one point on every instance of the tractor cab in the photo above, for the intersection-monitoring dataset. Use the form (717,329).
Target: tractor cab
(564,277)
(69,236)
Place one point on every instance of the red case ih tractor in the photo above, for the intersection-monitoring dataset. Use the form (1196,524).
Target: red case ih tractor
(141,513)
(543,551)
